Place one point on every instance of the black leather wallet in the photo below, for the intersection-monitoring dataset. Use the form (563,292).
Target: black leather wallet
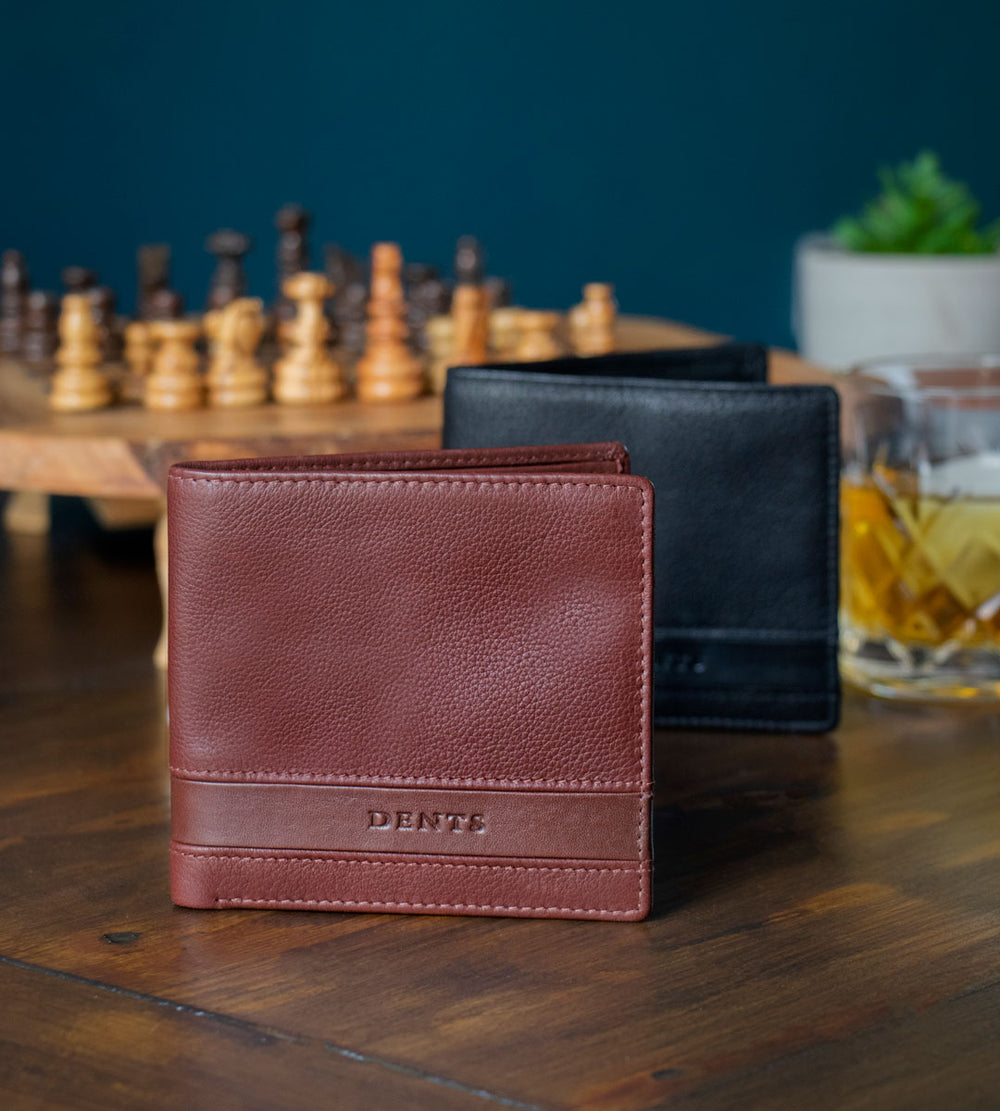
(746,478)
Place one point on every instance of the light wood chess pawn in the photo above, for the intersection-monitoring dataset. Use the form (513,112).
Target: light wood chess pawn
(592,322)
(538,339)
(138,358)
(234,378)
(505,331)
(307,374)
(175,383)
(79,385)
(439,333)
(388,370)
(470,313)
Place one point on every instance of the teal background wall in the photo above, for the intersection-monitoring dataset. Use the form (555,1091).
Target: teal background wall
(675,149)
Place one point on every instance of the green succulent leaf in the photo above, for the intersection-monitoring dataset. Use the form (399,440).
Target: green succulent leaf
(919,211)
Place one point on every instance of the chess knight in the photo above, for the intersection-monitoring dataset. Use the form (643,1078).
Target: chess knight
(234,377)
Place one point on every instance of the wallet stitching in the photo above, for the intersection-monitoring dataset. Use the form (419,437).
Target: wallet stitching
(388,780)
(432,458)
(224,902)
(241,857)
(542,481)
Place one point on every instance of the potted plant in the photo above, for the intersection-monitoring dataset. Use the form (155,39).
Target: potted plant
(913,274)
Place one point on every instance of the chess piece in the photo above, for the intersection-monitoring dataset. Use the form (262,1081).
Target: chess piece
(471,318)
(138,354)
(292,223)
(78,279)
(40,332)
(138,348)
(341,267)
(350,314)
(229,280)
(498,292)
(426,297)
(102,307)
(165,304)
(388,370)
(174,383)
(439,332)
(592,322)
(234,377)
(307,374)
(505,332)
(153,269)
(538,340)
(78,385)
(469,261)
(14,283)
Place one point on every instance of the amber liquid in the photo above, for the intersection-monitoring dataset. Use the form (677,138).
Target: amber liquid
(922,572)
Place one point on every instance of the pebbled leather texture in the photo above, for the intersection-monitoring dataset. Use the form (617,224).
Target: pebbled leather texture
(413,681)
(746,478)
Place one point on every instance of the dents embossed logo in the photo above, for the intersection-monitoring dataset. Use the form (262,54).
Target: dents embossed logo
(421,822)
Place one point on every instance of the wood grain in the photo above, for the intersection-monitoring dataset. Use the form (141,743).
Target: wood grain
(825,933)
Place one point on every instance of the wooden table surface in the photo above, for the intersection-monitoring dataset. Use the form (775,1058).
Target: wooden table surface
(826,930)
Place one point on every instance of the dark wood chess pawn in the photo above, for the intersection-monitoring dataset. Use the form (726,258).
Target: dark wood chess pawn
(14,284)
(350,314)
(426,297)
(498,292)
(341,267)
(40,335)
(102,307)
(166,304)
(230,279)
(292,223)
(78,279)
(153,271)
(469,261)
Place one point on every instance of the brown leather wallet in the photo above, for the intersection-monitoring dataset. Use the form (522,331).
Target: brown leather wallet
(412,681)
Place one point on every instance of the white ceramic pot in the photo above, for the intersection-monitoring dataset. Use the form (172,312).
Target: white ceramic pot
(850,306)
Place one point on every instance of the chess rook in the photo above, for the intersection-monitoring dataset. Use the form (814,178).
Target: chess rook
(79,385)
(234,378)
(174,384)
(307,374)
(388,370)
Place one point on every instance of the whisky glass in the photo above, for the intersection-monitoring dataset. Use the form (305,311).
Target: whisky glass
(920,539)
